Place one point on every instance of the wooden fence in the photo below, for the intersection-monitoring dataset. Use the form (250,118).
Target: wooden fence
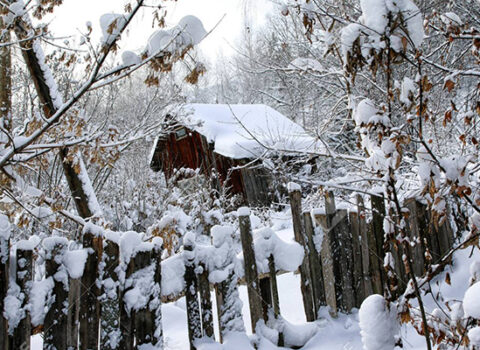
(85,314)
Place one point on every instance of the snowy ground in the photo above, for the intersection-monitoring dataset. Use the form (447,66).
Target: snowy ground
(326,334)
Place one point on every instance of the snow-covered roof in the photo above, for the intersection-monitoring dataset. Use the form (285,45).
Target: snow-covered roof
(246,131)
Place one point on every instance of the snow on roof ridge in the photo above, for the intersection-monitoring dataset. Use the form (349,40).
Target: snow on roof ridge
(246,130)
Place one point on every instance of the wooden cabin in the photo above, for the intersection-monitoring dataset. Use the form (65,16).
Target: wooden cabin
(232,140)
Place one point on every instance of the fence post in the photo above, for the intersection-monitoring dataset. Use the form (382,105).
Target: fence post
(56,322)
(315,265)
(4,266)
(110,296)
(89,304)
(22,334)
(144,318)
(306,284)
(191,290)
(251,272)
(364,244)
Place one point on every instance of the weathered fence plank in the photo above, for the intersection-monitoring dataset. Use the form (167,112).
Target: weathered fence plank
(417,230)
(73,313)
(22,333)
(219,301)
(56,321)
(315,265)
(335,248)
(306,283)
(90,291)
(110,297)
(358,280)
(144,317)
(4,266)
(266,293)
(251,272)
(378,214)
(127,317)
(343,233)
(275,297)
(329,269)
(363,230)
(205,294)
(156,303)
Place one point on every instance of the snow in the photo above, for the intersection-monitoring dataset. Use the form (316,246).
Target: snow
(374,14)
(243,211)
(245,131)
(407,91)
(471,301)
(158,42)
(47,75)
(40,300)
(41,212)
(378,324)
(188,32)
(5,230)
(173,270)
(74,261)
(29,244)
(87,188)
(130,58)
(288,256)
(17,8)
(111,23)
(128,243)
(139,287)
(33,191)
(451,18)
(374,22)
(305,64)
(474,336)
(292,187)
(348,35)
(192,30)
(13,310)
(364,112)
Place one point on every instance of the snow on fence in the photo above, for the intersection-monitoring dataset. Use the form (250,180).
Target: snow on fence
(106,292)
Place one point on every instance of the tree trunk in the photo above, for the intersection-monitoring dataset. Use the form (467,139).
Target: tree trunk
(77,186)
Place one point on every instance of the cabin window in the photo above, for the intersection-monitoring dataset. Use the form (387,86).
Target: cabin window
(180,133)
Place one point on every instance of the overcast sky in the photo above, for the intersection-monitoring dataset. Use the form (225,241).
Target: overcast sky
(75,13)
